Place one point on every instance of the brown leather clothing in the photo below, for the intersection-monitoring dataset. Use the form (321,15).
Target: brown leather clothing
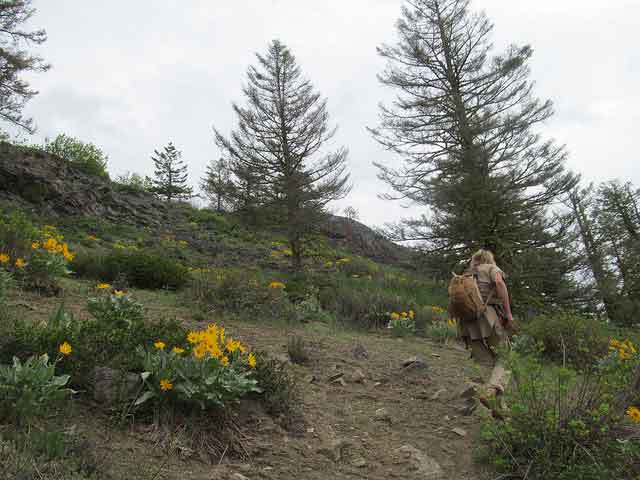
(489,327)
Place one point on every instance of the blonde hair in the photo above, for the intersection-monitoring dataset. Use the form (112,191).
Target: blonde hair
(482,257)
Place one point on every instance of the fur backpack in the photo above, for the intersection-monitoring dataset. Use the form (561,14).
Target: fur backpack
(465,301)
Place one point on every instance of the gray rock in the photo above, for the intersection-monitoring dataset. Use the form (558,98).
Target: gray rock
(422,465)
(358,376)
(414,362)
(470,391)
(113,386)
(360,353)
(438,394)
(382,415)
(359,462)
(334,449)
(459,431)
(238,476)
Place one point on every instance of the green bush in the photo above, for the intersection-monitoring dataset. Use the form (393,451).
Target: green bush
(566,425)
(568,338)
(95,342)
(17,231)
(359,306)
(85,156)
(358,267)
(139,269)
(31,389)
(117,311)
(242,291)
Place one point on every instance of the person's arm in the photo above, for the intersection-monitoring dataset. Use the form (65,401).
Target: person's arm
(503,294)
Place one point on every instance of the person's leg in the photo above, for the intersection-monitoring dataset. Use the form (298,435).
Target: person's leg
(481,354)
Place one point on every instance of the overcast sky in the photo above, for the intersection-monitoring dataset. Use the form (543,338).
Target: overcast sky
(131,75)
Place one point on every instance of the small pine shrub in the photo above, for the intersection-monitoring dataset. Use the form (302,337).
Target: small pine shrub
(140,269)
(297,349)
(280,394)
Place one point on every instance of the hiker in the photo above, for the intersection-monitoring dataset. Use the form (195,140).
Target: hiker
(489,330)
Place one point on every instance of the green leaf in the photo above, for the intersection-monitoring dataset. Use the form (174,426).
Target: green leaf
(144,397)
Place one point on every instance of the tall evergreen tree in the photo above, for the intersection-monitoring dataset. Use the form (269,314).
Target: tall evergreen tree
(464,123)
(217,184)
(170,180)
(281,132)
(15,92)
(607,220)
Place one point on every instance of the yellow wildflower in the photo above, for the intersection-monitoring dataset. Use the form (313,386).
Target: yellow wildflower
(412,314)
(165,385)
(4,258)
(103,286)
(452,322)
(50,245)
(200,351)
(221,331)
(65,349)
(35,245)
(193,337)
(634,414)
(159,345)
(395,316)
(277,285)
(252,360)
(404,314)
(177,350)
(119,293)
(224,361)
(20,263)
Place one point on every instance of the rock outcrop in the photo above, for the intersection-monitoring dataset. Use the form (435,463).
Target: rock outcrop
(365,241)
(37,180)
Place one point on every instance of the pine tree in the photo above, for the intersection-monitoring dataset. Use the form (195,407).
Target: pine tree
(278,142)
(217,184)
(14,60)
(170,180)
(464,123)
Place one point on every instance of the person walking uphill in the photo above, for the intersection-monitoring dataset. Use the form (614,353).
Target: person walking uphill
(485,319)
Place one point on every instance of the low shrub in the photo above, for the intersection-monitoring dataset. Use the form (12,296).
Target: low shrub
(39,267)
(117,310)
(108,340)
(139,269)
(241,291)
(357,267)
(568,338)
(360,307)
(212,371)
(568,425)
